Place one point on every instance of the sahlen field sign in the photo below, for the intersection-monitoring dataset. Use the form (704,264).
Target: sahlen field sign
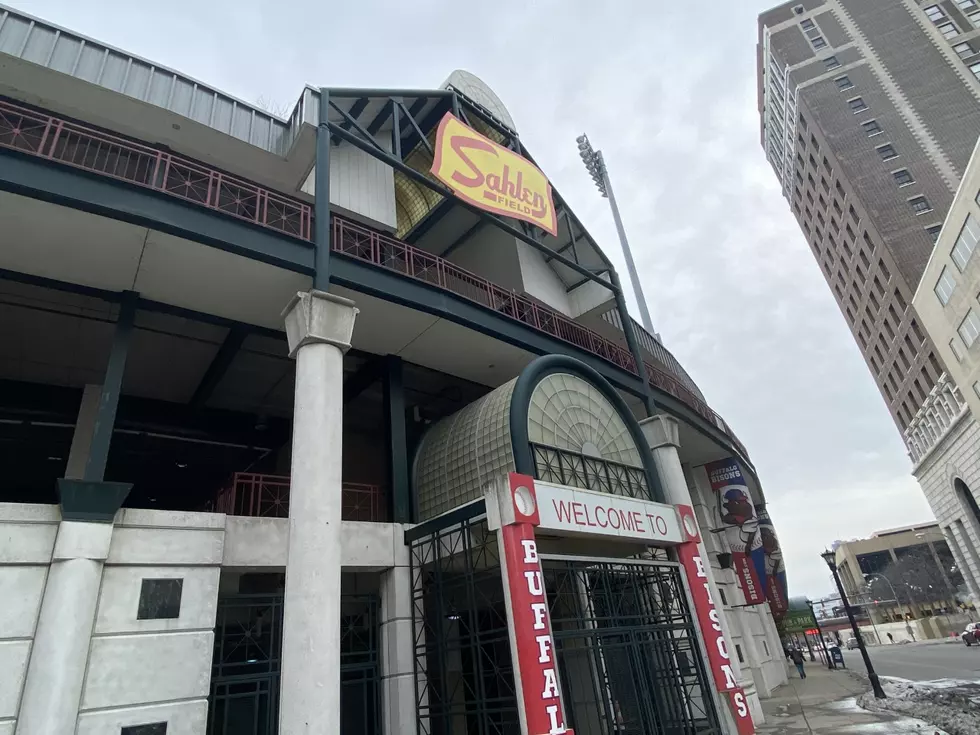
(492,177)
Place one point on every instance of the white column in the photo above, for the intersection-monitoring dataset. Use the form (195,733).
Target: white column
(59,655)
(398,652)
(318,327)
(663,435)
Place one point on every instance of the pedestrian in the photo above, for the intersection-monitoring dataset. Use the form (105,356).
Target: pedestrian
(891,638)
(908,629)
(796,656)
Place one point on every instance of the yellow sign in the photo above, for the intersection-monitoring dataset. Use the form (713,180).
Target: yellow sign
(492,177)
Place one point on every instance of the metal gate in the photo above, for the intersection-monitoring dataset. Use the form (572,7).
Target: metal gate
(627,649)
(244,697)
(628,653)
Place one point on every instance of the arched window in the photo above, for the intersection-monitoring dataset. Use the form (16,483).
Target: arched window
(967,499)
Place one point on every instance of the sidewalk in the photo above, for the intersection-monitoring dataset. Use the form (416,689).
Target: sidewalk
(823,704)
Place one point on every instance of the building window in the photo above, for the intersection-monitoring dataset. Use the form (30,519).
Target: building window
(975,68)
(819,43)
(916,332)
(807,24)
(873,300)
(934,231)
(721,593)
(934,13)
(972,11)
(831,62)
(843,83)
(857,104)
(871,128)
(887,152)
(799,9)
(920,205)
(945,286)
(964,49)
(884,269)
(969,328)
(903,177)
(948,30)
(900,300)
(966,243)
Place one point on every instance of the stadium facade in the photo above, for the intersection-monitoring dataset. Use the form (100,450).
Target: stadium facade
(338,423)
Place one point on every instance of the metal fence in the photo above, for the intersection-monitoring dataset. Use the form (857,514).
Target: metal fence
(247,659)
(260,495)
(564,467)
(627,648)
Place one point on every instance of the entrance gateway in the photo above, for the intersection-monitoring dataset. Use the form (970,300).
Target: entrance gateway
(512,638)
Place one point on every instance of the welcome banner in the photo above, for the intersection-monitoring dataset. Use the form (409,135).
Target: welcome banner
(492,177)
(738,518)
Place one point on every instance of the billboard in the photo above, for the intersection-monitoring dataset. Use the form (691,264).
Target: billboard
(775,580)
(741,527)
(492,177)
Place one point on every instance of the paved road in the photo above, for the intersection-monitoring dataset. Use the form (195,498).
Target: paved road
(921,662)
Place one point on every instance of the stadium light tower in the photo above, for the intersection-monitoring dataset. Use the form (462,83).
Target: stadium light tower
(600,175)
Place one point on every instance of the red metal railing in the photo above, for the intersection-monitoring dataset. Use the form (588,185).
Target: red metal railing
(267,496)
(50,137)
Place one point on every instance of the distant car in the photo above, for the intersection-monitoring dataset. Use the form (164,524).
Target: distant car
(852,642)
(972,634)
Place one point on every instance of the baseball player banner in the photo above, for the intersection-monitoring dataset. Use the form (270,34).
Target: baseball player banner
(741,527)
(775,581)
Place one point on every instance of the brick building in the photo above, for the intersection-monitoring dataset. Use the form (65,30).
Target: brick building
(869,115)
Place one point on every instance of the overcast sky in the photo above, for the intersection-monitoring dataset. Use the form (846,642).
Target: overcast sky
(670,98)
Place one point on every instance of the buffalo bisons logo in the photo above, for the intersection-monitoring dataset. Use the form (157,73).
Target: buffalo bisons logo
(492,177)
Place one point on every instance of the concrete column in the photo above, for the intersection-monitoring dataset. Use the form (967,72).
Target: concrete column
(59,655)
(318,328)
(663,435)
(398,653)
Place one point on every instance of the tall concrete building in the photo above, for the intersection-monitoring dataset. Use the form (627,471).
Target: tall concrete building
(869,116)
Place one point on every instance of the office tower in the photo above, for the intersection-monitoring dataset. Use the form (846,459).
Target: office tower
(869,116)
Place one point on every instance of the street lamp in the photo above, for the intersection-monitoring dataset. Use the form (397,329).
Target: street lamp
(596,167)
(829,557)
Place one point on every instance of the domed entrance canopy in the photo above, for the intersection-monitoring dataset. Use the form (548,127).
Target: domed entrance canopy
(559,421)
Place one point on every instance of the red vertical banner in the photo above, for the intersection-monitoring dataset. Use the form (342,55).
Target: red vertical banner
(709,621)
(740,708)
(535,667)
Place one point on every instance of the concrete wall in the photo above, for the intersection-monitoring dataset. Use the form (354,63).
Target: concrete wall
(158,669)
(956,456)
(753,631)
(360,185)
(27,536)
(540,281)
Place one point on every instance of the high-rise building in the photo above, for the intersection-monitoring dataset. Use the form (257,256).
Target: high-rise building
(869,116)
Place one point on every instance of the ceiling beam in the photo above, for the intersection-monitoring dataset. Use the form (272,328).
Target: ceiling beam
(219,366)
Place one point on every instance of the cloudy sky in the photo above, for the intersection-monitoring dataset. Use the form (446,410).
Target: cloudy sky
(669,96)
